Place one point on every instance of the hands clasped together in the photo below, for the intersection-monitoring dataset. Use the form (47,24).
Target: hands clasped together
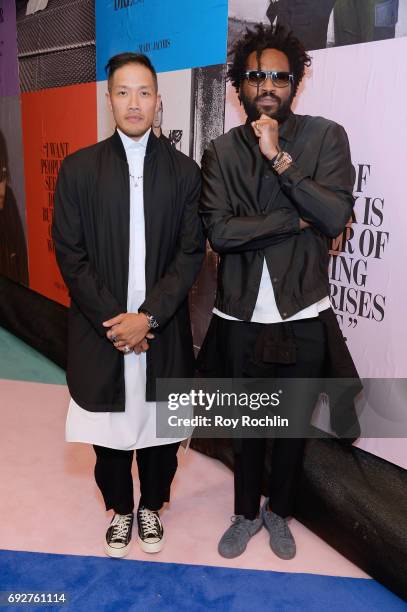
(129,332)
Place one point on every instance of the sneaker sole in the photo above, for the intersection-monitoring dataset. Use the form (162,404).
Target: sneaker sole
(117,553)
(284,557)
(151,548)
(280,555)
(231,555)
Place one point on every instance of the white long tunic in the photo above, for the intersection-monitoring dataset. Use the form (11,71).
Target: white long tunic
(136,426)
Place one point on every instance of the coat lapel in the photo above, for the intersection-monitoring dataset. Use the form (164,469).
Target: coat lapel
(160,207)
(151,204)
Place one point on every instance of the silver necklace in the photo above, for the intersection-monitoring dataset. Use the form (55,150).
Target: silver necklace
(136,179)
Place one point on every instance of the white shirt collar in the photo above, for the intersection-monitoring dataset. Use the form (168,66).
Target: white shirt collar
(129,143)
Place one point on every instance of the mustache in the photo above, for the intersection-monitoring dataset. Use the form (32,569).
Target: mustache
(266,96)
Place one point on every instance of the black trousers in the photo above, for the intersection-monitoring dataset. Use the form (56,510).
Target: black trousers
(308,19)
(156,467)
(238,340)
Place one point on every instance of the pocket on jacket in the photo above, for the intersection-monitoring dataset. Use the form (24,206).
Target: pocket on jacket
(386,14)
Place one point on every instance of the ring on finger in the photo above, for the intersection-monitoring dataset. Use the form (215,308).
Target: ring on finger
(127,349)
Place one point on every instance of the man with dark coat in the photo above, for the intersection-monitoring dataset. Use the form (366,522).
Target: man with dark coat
(359,22)
(129,244)
(308,19)
(13,251)
(274,192)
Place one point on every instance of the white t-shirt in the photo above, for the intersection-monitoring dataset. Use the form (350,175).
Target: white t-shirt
(266,311)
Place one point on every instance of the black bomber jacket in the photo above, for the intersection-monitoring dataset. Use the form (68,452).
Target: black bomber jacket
(251,213)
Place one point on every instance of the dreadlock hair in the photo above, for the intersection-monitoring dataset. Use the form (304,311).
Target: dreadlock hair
(261,38)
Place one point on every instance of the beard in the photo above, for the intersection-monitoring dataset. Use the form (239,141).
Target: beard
(253,112)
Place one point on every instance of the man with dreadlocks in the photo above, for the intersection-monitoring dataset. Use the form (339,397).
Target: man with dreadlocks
(275,190)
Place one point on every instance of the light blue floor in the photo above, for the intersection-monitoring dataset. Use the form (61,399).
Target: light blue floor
(18,361)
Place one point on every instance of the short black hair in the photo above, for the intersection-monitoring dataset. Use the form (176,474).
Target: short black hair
(263,37)
(122,59)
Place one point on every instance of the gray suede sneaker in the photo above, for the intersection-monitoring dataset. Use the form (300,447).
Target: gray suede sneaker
(282,542)
(235,539)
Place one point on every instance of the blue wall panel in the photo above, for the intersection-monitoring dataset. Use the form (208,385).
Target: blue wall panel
(175,34)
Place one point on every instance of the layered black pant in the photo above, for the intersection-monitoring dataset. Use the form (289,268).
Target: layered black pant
(307,19)
(237,340)
(156,468)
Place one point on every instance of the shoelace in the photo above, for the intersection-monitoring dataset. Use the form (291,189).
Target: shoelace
(238,526)
(149,522)
(121,527)
(283,528)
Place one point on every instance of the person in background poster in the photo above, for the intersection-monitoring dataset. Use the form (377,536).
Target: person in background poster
(13,250)
(354,21)
(275,191)
(308,19)
(129,243)
(158,119)
(359,22)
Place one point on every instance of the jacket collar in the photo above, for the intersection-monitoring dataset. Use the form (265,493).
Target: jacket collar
(134,145)
(118,147)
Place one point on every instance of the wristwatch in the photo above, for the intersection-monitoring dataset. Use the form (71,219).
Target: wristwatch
(151,320)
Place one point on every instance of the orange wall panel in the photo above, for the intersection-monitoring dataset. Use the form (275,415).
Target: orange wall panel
(56,122)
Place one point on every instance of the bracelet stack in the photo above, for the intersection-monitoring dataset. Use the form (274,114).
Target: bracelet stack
(281,162)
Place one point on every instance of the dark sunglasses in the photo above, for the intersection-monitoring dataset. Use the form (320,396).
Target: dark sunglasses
(256,78)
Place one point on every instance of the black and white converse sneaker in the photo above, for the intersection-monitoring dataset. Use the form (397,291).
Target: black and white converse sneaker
(150,530)
(118,535)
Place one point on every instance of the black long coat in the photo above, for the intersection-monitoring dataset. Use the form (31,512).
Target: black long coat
(91,235)
(13,251)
